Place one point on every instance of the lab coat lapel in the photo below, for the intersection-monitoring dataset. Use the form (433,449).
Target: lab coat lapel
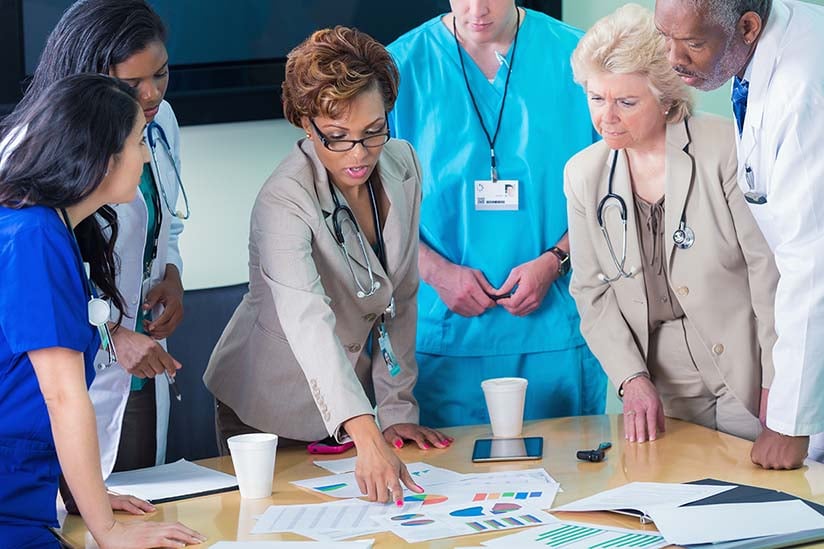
(678,178)
(764,62)
(397,217)
(327,205)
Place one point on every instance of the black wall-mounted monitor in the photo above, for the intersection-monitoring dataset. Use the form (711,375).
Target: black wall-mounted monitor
(227,56)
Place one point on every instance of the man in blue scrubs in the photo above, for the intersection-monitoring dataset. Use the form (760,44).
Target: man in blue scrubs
(488,101)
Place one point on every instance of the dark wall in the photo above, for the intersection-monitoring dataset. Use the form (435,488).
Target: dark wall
(191,423)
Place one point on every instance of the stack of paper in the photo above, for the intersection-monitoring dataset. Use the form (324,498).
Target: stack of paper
(169,482)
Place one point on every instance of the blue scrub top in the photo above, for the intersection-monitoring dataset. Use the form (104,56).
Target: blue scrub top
(43,303)
(545,121)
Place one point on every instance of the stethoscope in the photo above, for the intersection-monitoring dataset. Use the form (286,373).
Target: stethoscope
(98,310)
(683,237)
(155,135)
(342,215)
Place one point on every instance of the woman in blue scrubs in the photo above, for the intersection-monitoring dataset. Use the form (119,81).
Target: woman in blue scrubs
(488,101)
(76,149)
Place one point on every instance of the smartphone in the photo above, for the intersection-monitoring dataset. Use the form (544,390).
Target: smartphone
(508,449)
(329,446)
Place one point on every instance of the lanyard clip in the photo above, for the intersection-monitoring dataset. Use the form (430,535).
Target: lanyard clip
(493,171)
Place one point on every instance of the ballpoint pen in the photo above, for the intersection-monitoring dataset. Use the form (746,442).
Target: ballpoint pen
(174,388)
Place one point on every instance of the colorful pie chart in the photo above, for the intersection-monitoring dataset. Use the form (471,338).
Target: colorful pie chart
(499,508)
(427,499)
(418,522)
(407,516)
(468,512)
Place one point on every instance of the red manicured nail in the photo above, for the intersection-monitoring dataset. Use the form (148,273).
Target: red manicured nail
(426,447)
(399,503)
(398,443)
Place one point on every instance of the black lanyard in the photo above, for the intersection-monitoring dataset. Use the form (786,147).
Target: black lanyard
(491,140)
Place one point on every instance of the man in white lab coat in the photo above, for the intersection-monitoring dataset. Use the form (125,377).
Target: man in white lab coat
(774,50)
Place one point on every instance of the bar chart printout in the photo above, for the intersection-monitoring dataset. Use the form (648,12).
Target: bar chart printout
(570,535)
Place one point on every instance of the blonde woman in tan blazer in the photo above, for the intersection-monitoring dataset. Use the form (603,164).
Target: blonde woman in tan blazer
(684,324)
(333,274)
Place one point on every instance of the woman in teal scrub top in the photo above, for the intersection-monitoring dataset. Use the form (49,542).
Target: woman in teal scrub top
(76,149)
(488,101)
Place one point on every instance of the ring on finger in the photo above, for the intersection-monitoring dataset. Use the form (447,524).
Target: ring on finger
(630,413)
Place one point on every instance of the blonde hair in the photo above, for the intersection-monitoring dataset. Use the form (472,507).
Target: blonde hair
(627,42)
(332,67)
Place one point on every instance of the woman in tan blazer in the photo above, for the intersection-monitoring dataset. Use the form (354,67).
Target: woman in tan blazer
(679,311)
(324,342)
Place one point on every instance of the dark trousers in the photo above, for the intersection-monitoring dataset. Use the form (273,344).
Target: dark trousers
(227,425)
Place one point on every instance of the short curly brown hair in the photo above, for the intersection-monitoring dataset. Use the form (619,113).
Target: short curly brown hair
(330,68)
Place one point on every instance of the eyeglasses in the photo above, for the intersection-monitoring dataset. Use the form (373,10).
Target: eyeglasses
(343,145)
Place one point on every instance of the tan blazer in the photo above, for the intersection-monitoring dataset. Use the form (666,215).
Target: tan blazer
(291,360)
(725,282)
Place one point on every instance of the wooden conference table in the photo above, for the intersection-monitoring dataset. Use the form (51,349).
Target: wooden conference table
(686,452)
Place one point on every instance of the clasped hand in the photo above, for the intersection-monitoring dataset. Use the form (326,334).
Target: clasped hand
(467,292)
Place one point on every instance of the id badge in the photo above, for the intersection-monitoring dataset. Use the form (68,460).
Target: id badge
(501,194)
(387,352)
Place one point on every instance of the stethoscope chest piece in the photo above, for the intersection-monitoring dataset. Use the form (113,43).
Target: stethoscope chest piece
(683,237)
(99,311)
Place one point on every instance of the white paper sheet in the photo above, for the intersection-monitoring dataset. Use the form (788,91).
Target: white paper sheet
(351,515)
(524,476)
(733,521)
(461,521)
(345,486)
(576,535)
(360,544)
(172,480)
(641,495)
(337,466)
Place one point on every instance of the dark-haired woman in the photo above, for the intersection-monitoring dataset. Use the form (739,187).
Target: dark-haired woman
(76,149)
(125,39)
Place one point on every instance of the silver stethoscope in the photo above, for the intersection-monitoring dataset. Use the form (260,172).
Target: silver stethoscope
(341,216)
(683,237)
(155,135)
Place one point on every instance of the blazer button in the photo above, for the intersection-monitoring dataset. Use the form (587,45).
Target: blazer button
(683,291)
(370,317)
(718,348)
(353,348)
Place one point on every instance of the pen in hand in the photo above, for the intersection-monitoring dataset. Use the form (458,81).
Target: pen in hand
(174,388)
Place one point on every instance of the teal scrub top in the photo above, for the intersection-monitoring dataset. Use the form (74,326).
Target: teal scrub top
(545,121)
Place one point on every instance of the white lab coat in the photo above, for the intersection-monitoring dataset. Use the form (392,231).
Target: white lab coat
(111,387)
(781,143)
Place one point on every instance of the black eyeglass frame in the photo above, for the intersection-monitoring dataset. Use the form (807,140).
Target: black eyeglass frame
(329,143)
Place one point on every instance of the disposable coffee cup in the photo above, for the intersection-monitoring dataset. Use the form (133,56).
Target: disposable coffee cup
(505,402)
(253,457)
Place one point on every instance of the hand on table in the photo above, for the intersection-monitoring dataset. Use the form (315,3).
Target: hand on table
(130,504)
(144,535)
(643,410)
(423,436)
(379,473)
(773,450)
(533,280)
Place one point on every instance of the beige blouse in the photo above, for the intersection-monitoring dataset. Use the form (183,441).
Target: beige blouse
(661,302)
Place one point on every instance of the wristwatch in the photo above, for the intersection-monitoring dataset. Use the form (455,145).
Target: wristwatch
(563,260)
